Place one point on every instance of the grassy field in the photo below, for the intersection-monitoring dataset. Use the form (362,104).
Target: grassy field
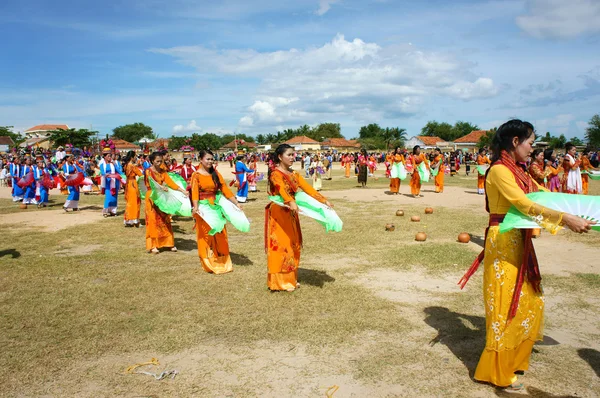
(378,314)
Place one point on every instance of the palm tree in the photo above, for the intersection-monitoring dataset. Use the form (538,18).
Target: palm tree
(270,138)
(260,139)
(394,134)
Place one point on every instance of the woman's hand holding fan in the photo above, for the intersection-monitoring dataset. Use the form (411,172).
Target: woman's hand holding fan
(577,224)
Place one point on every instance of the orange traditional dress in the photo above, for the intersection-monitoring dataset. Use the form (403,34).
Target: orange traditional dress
(538,173)
(283,236)
(159,232)
(571,179)
(586,165)
(554,184)
(347,163)
(481,160)
(513,297)
(415,181)
(132,195)
(212,250)
(439,178)
(395,182)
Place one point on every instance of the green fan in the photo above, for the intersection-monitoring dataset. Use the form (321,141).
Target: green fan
(594,175)
(584,206)
(178,179)
(142,187)
(423,172)
(314,209)
(170,201)
(435,171)
(482,168)
(398,171)
(216,215)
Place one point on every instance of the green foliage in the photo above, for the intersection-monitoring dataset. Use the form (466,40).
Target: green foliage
(371,131)
(324,131)
(446,131)
(206,141)
(227,138)
(261,139)
(133,132)
(375,137)
(592,133)
(176,142)
(486,140)
(16,137)
(76,137)
(577,141)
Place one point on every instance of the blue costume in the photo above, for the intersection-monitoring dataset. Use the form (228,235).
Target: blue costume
(240,173)
(111,187)
(72,201)
(38,173)
(17,191)
(29,196)
(146,165)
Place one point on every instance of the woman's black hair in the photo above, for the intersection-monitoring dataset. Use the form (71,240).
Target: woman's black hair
(569,146)
(503,138)
(363,151)
(154,155)
(482,150)
(212,171)
(535,153)
(130,155)
(274,156)
(396,150)
(415,149)
(548,154)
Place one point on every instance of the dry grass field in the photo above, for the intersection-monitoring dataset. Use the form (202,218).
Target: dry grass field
(378,314)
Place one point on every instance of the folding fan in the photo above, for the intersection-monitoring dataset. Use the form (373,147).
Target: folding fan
(179,180)
(170,201)
(216,215)
(482,168)
(423,172)
(142,187)
(584,206)
(594,175)
(26,180)
(398,171)
(76,179)
(314,209)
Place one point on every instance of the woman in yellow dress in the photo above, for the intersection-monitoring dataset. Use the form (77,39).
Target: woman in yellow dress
(513,299)
(132,193)
(283,237)
(207,183)
(159,232)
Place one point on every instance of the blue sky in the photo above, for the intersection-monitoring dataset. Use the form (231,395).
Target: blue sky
(184,66)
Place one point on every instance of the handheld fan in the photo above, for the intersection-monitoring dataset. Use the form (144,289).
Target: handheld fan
(26,180)
(75,180)
(178,179)
(482,168)
(594,175)
(142,187)
(47,181)
(314,209)
(234,214)
(398,171)
(435,171)
(423,172)
(170,201)
(120,177)
(584,206)
(216,215)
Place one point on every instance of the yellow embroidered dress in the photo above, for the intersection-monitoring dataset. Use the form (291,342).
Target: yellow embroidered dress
(509,342)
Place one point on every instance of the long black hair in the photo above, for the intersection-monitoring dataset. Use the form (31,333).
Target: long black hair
(273,158)
(212,170)
(503,138)
(415,149)
(130,155)
(154,155)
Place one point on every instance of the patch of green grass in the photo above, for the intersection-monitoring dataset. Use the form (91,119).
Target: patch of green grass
(590,280)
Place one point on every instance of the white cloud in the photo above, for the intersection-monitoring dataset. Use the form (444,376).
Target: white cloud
(560,19)
(559,124)
(341,79)
(324,6)
(191,127)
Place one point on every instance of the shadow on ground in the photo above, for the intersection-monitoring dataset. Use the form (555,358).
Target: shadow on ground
(240,259)
(10,252)
(313,277)
(592,357)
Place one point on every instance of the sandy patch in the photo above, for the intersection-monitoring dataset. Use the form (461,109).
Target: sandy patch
(49,220)
(408,287)
(558,256)
(78,250)
(453,197)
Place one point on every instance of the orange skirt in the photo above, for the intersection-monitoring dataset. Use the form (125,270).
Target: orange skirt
(283,243)
(213,251)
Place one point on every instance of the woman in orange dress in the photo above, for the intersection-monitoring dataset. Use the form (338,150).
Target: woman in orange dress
(132,193)
(396,160)
(537,169)
(482,160)
(415,181)
(347,163)
(586,165)
(159,232)
(283,236)
(207,184)
(438,162)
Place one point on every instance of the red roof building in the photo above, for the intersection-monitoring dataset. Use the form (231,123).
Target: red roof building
(43,130)
(339,144)
(300,139)
(122,145)
(471,138)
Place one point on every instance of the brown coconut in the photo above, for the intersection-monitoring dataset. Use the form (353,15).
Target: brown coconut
(464,237)
(399,213)
(421,236)
(415,219)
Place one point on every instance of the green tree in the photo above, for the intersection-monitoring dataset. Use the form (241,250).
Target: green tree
(558,142)
(133,132)
(17,138)
(485,141)
(577,141)
(393,137)
(76,137)
(270,138)
(326,130)
(176,142)
(260,139)
(460,129)
(592,132)
(443,130)
(372,130)
(206,141)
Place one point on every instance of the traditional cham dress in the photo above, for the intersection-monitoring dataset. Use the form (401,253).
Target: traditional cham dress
(586,165)
(415,181)
(72,201)
(132,195)
(283,236)
(159,232)
(213,250)
(362,169)
(240,173)
(29,195)
(17,192)
(513,297)
(316,168)
(347,163)
(43,184)
(252,177)
(439,178)
(554,184)
(481,160)
(112,183)
(397,161)
(571,181)
(538,173)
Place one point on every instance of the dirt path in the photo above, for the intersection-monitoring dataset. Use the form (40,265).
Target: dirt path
(49,220)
